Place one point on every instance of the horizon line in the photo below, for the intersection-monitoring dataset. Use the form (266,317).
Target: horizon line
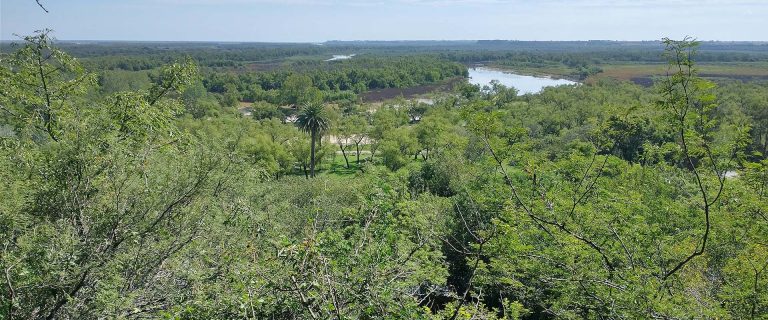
(370,40)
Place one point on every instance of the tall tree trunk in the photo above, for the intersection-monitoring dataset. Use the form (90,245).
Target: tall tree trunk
(357,149)
(344,153)
(312,155)
(374,147)
(765,145)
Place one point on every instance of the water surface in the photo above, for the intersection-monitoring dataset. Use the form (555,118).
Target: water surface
(340,57)
(524,84)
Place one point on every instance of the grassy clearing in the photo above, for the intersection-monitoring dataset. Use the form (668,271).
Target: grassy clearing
(338,167)
(335,165)
(635,72)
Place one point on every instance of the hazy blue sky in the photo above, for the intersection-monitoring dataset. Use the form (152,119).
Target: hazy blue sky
(319,20)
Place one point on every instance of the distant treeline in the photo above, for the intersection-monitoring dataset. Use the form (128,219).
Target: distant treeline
(260,71)
(359,74)
(606,56)
(336,80)
(136,56)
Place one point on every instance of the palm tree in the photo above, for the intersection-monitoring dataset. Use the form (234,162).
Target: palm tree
(313,120)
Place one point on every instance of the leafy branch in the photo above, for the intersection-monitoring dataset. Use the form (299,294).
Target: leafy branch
(686,95)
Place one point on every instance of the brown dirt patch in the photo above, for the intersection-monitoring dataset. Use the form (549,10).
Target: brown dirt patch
(410,92)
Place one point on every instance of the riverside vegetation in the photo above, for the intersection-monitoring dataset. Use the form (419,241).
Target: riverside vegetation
(146,194)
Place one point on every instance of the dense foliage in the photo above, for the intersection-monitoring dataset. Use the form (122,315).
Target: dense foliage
(294,82)
(593,201)
(347,76)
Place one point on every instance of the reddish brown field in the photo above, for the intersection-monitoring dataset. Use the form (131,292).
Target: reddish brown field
(410,92)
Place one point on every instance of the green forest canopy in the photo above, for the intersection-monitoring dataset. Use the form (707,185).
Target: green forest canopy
(602,201)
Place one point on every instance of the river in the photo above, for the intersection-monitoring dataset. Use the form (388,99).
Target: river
(524,84)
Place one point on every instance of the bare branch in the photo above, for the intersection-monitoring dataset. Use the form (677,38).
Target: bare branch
(41,6)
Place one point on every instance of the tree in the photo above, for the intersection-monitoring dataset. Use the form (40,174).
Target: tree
(345,131)
(690,102)
(359,126)
(37,81)
(104,194)
(313,120)
(397,146)
(263,110)
(432,134)
(416,110)
(384,121)
(231,97)
(299,90)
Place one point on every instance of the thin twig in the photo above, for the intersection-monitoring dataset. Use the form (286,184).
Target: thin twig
(41,6)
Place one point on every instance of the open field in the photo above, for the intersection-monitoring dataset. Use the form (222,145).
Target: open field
(643,73)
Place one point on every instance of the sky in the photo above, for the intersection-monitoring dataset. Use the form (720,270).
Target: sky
(322,20)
